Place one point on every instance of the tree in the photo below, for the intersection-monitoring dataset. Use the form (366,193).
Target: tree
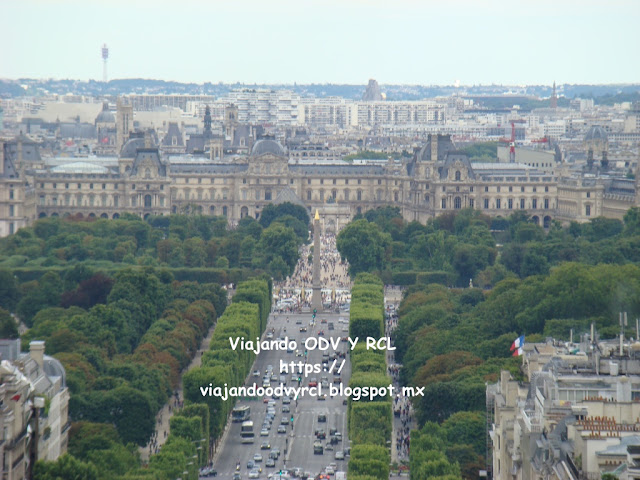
(8,326)
(364,245)
(9,294)
(66,467)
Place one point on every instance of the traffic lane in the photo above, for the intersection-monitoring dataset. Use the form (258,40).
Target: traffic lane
(310,407)
(233,450)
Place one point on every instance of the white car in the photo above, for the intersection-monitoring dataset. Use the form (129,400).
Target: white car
(257,457)
(329,470)
(339,455)
(254,473)
(264,432)
(256,373)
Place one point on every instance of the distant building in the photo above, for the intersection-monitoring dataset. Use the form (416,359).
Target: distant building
(574,418)
(34,408)
(238,172)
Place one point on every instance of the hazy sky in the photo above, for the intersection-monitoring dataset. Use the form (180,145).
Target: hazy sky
(318,41)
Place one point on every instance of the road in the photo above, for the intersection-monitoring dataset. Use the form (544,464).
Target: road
(298,444)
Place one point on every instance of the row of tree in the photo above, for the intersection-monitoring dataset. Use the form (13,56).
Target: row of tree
(245,318)
(175,241)
(466,245)
(370,421)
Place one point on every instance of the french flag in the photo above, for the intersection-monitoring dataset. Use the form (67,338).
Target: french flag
(516,346)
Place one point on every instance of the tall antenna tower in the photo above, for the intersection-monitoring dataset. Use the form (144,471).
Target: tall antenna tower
(105,57)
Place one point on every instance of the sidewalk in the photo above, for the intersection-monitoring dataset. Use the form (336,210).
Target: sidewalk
(164,415)
(403,424)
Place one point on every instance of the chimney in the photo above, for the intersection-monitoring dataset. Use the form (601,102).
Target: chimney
(36,351)
(434,147)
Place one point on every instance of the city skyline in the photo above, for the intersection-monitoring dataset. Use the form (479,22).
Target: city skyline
(286,42)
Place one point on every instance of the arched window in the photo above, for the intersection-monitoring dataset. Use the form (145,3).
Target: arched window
(457,202)
(457,175)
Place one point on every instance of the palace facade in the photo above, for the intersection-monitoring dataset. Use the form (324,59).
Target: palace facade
(144,179)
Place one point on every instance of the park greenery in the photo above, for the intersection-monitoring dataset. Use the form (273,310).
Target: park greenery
(370,425)
(453,339)
(193,247)
(124,305)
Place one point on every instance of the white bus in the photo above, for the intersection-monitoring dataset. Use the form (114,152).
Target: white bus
(246,432)
(241,413)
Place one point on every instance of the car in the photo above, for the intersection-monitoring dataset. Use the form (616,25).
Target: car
(275,396)
(283,379)
(208,472)
(322,418)
(313,382)
(303,329)
(344,339)
(320,332)
(282,429)
(337,379)
(266,400)
(322,397)
(269,336)
(329,470)
(339,455)
(286,400)
(257,458)
(299,353)
(339,435)
(331,326)
(324,320)
(333,465)
(321,434)
(275,453)
(271,403)
(297,472)
(265,446)
(284,421)
(286,409)
(274,378)
(328,446)
(236,476)
(270,462)
(294,378)
(256,373)
(266,384)
(332,431)
(254,473)
(264,432)
(251,464)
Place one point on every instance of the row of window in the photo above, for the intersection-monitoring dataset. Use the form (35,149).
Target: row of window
(457,203)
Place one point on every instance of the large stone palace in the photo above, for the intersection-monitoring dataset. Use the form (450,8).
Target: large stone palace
(239,172)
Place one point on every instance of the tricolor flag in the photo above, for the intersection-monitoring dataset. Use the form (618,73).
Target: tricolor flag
(516,346)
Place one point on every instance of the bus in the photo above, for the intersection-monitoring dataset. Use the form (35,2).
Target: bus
(246,432)
(241,413)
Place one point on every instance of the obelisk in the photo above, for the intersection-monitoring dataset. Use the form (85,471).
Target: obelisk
(316,298)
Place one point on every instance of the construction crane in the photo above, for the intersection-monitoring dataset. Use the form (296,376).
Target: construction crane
(512,141)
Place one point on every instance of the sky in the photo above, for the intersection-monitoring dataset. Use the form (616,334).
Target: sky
(427,42)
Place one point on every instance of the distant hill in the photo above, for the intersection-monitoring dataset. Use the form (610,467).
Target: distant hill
(27,86)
